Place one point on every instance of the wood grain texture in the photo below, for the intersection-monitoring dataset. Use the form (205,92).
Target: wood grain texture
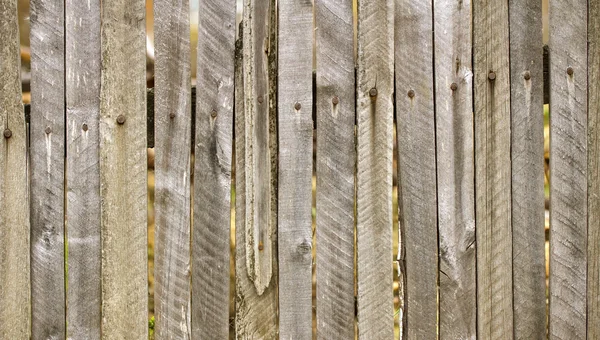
(374,169)
(295,168)
(123,164)
(173,117)
(14,195)
(493,170)
(256,313)
(47,159)
(568,169)
(82,85)
(416,165)
(527,160)
(212,173)
(593,269)
(336,159)
(455,169)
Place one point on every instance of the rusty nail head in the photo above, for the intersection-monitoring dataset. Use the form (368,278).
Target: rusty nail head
(172,115)
(411,93)
(48,130)
(335,100)
(260,246)
(7,133)
(570,71)
(213,113)
(297,106)
(454,87)
(373,92)
(121,119)
(85,127)
(492,75)
(260,99)
(527,75)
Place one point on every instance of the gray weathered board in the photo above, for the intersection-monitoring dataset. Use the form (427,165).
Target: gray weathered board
(568,168)
(212,169)
(14,196)
(123,174)
(172,172)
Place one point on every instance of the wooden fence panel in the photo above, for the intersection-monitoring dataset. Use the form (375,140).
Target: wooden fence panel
(568,168)
(123,171)
(336,159)
(47,159)
(82,85)
(493,170)
(416,165)
(14,196)
(455,169)
(295,168)
(527,160)
(212,172)
(375,86)
(173,117)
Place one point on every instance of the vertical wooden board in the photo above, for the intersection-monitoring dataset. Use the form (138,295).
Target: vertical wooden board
(172,262)
(212,173)
(14,197)
(47,158)
(527,161)
(493,170)
(375,88)
(82,85)
(455,170)
(295,168)
(568,168)
(123,171)
(416,165)
(256,314)
(593,269)
(336,157)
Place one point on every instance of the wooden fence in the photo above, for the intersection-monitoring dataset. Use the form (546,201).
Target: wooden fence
(461,82)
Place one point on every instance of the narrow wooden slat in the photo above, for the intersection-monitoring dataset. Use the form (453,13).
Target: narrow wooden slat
(493,170)
(455,169)
(568,168)
(212,173)
(47,158)
(82,85)
(172,262)
(416,165)
(336,159)
(123,177)
(295,168)
(593,269)
(374,168)
(256,313)
(527,156)
(14,198)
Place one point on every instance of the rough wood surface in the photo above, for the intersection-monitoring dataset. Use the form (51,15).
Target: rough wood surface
(493,170)
(173,117)
(455,170)
(14,196)
(527,160)
(212,173)
(123,177)
(82,84)
(256,313)
(374,169)
(568,168)
(593,269)
(295,168)
(47,160)
(336,159)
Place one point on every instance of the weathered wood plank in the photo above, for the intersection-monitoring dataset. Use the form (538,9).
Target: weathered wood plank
(568,168)
(335,169)
(47,159)
(593,269)
(527,160)
(375,88)
(295,168)
(123,164)
(173,116)
(14,195)
(82,67)
(256,312)
(493,170)
(455,169)
(212,173)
